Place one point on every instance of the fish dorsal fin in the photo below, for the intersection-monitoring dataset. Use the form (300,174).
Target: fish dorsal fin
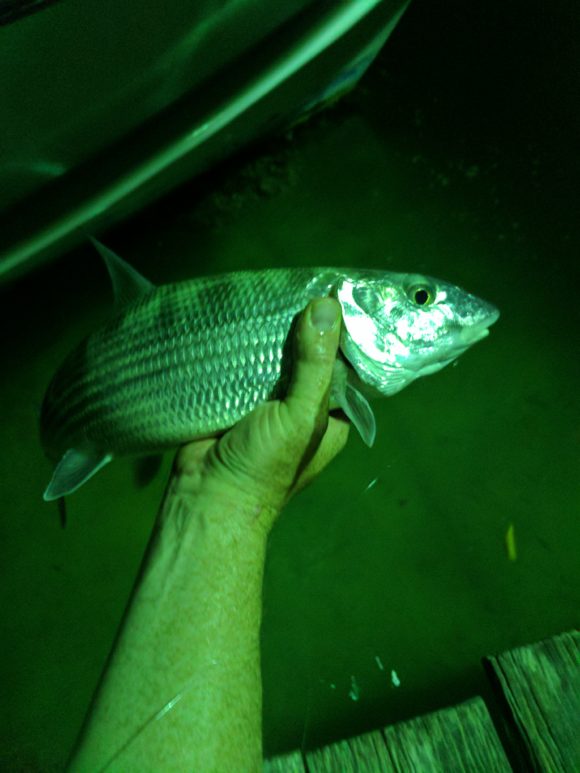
(128,284)
(358,410)
(74,469)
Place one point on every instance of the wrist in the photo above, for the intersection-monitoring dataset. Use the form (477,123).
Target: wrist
(223,513)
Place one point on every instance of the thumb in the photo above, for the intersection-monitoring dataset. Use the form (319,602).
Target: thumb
(316,344)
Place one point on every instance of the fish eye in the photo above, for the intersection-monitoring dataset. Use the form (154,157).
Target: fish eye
(421,295)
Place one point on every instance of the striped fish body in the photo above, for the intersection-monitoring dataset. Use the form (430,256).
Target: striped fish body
(188,360)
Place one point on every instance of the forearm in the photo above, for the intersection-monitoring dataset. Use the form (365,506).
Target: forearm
(182,690)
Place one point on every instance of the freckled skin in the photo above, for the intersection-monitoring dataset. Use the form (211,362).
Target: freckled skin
(190,636)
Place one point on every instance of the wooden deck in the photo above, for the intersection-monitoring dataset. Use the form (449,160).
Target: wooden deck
(539,691)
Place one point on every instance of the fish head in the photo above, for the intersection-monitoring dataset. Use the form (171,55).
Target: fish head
(399,327)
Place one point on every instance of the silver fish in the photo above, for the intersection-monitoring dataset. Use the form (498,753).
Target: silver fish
(188,360)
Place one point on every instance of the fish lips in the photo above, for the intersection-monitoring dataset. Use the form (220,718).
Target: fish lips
(453,344)
(474,332)
(464,336)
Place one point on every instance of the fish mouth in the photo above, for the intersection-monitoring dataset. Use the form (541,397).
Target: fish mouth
(471,335)
(466,335)
(480,329)
(457,341)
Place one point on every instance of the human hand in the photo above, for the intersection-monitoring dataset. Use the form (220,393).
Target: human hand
(276,450)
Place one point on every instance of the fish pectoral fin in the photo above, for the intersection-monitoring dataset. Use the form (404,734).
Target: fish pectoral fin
(128,284)
(74,469)
(360,413)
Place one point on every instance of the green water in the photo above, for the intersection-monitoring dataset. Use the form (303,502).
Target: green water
(455,157)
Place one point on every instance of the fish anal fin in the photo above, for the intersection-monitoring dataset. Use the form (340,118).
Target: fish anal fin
(74,469)
(128,284)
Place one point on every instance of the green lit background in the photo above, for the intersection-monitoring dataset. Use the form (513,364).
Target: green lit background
(457,156)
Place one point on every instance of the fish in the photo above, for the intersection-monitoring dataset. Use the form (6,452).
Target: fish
(184,361)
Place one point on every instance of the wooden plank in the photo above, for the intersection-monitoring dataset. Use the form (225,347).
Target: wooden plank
(362,754)
(540,685)
(285,763)
(459,739)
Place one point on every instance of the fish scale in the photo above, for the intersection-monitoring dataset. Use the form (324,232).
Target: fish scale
(170,368)
(188,360)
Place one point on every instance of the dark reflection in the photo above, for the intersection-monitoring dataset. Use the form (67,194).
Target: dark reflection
(146,468)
